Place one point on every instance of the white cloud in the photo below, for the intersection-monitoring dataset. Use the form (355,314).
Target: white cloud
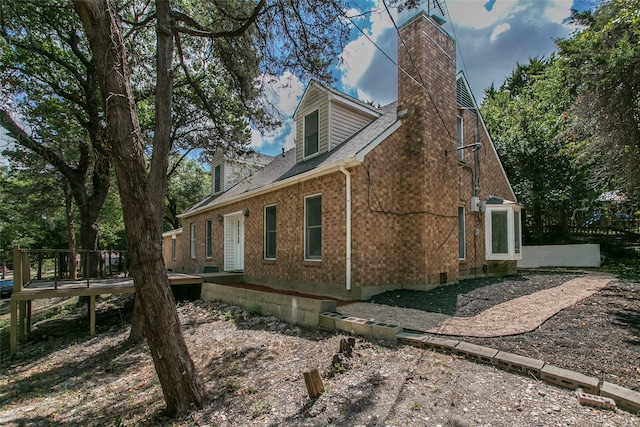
(491,42)
(283,93)
(499,29)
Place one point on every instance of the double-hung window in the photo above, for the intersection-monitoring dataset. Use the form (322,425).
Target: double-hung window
(173,247)
(313,228)
(270,232)
(193,240)
(217,179)
(208,246)
(311,140)
(503,232)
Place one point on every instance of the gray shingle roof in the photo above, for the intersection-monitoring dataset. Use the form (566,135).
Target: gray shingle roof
(284,166)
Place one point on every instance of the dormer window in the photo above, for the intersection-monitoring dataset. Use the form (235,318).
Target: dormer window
(217,179)
(311,140)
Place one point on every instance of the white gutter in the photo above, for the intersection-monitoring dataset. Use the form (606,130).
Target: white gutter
(314,173)
(348,220)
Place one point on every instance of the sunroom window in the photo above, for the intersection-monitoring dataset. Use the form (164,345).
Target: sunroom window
(503,232)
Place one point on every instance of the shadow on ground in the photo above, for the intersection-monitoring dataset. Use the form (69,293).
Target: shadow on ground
(472,296)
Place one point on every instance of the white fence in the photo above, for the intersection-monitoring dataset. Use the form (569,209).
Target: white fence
(586,255)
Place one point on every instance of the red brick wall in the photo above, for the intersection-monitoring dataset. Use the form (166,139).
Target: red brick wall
(429,176)
(405,196)
(491,182)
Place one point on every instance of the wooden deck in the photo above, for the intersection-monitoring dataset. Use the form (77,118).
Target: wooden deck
(20,305)
(39,289)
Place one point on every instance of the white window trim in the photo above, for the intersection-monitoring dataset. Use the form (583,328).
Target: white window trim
(192,240)
(264,252)
(304,135)
(208,239)
(173,247)
(311,196)
(511,255)
(464,233)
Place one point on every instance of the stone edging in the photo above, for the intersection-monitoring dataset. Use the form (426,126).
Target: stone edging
(625,398)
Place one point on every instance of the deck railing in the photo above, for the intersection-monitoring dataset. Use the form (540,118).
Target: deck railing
(63,264)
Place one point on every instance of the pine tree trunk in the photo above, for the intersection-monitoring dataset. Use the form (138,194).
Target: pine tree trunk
(180,383)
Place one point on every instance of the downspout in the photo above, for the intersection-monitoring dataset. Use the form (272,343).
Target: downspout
(348,223)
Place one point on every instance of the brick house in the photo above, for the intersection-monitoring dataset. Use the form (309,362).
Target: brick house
(409,195)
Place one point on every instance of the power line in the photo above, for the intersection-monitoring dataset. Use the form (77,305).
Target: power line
(418,70)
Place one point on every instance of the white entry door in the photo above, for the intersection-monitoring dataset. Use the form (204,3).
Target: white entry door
(234,242)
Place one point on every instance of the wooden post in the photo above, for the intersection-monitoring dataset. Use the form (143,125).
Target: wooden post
(92,315)
(314,383)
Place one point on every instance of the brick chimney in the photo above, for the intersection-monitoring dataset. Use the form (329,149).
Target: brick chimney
(428,94)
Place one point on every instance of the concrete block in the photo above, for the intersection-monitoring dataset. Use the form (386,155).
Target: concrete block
(311,318)
(410,338)
(442,345)
(569,379)
(516,363)
(476,352)
(208,292)
(325,320)
(326,305)
(344,324)
(382,331)
(361,327)
(593,400)
(624,397)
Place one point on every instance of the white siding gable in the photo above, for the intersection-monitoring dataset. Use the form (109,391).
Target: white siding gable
(345,122)
(339,118)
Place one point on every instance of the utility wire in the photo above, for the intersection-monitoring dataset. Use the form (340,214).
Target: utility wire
(418,70)
(422,86)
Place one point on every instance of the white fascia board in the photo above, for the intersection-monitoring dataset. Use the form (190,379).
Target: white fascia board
(306,91)
(353,105)
(373,144)
(315,173)
(172,232)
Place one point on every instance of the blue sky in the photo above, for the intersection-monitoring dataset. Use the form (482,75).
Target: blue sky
(492,36)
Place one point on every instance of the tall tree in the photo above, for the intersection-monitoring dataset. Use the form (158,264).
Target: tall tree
(300,36)
(603,60)
(528,121)
(188,183)
(51,103)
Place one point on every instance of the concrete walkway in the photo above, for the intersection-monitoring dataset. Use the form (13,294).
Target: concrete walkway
(520,315)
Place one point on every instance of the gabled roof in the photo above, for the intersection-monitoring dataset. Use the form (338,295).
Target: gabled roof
(466,100)
(464,96)
(338,96)
(283,169)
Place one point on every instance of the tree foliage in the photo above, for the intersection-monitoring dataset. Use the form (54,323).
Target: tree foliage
(188,184)
(528,121)
(603,63)
(301,36)
(51,106)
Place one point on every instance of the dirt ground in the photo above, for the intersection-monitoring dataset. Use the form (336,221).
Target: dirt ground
(599,336)
(252,366)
